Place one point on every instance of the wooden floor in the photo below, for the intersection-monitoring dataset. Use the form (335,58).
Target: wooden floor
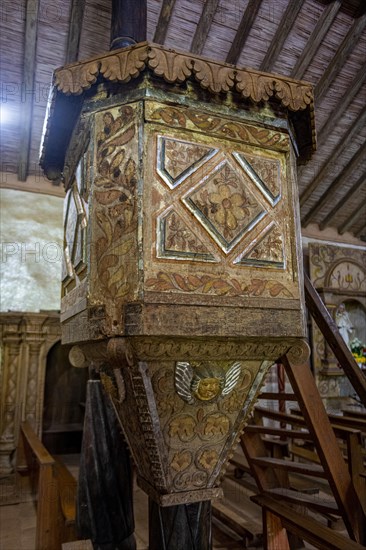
(17,521)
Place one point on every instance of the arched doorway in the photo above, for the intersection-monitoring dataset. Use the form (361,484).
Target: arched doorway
(64,402)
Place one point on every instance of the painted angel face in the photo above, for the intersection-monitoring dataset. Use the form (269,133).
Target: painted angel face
(208,388)
(204,382)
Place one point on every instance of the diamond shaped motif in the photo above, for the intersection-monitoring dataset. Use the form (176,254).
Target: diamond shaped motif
(177,240)
(224,205)
(266,251)
(178,159)
(265,173)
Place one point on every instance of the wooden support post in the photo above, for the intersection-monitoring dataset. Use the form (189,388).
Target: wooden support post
(128,23)
(104,507)
(313,532)
(274,534)
(313,410)
(355,465)
(180,527)
(29,63)
(49,528)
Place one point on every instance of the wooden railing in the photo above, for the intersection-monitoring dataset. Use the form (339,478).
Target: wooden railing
(331,334)
(55,488)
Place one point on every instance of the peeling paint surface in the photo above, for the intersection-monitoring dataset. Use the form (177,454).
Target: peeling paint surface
(31,251)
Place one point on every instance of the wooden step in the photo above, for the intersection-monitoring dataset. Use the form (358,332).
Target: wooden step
(240,463)
(299,467)
(323,505)
(306,454)
(294,420)
(281,432)
(277,396)
(308,529)
(340,421)
(246,481)
(243,526)
(358,413)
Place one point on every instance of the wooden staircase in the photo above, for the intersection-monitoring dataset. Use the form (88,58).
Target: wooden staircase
(324,452)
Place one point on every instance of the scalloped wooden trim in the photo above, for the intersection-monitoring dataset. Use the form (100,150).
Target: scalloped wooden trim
(176,67)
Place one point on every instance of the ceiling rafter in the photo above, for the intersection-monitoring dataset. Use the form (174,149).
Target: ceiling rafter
(349,42)
(361,232)
(352,219)
(342,105)
(316,38)
(243,31)
(163,21)
(204,25)
(331,161)
(29,66)
(283,30)
(343,201)
(338,182)
(75,27)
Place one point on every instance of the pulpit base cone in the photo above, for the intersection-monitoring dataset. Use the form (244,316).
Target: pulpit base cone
(181,497)
(180,527)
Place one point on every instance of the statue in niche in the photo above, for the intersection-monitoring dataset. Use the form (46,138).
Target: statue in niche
(344,323)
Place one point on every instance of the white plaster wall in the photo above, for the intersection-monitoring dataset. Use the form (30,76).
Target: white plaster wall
(31,248)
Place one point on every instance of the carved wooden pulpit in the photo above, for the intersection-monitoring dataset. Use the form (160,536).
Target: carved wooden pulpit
(182,278)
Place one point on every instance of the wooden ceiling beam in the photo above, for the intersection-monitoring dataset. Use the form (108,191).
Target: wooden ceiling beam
(342,105)
(283,30)
(334,186)
(243,31)
(29,67)
(354,189)
(75,27)
(356,215)
(348,43)
(316,38)
(204,25)
(360,232)
(163,21)
(332,160)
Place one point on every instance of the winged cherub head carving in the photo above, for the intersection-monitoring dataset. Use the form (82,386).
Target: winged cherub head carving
(204,381)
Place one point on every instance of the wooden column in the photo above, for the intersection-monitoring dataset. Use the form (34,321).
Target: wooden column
(128,23)
(180,527)
(104,508)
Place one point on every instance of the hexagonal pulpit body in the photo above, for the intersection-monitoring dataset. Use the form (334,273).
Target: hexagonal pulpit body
(182,270)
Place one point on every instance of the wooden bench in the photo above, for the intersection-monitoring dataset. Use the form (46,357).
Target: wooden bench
(55,488)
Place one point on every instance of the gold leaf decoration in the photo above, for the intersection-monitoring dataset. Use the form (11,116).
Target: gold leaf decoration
(189,118)
(207,284)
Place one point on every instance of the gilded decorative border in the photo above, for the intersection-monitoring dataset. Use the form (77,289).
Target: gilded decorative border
(176,67)
(191,119)
(206,284)
(146,348)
